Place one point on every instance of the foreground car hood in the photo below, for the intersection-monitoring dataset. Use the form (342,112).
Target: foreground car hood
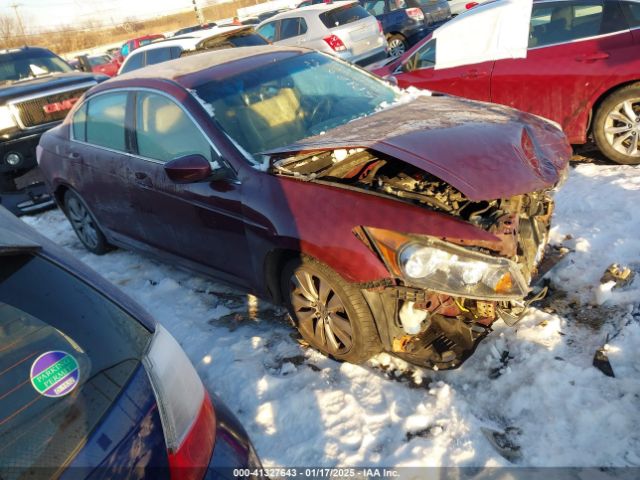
(484,150)
(28,86)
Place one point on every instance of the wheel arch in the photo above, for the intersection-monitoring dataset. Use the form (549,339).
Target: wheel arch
(274,264)
(602,97)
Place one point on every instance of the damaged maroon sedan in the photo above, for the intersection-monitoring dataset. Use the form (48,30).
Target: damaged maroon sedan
(384,221)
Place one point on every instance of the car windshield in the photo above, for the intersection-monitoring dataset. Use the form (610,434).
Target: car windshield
(283,102)
(30,63)
(101,60)
(66,352)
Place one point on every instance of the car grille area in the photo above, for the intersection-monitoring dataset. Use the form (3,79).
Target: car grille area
(48,108)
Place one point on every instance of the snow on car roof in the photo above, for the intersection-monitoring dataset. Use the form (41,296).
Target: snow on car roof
(490,31)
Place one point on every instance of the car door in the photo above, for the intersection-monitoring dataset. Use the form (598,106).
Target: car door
(470,81)
(97,153)
(200,221)
(574,47)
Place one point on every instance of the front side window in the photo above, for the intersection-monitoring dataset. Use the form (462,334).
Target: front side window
(105,121)
(278,104)
(560,22)
(133,62)
(164,132)
(425,57)
(268,31)
(66,354)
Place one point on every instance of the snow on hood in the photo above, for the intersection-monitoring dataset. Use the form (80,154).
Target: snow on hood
(492,31)
(486,151)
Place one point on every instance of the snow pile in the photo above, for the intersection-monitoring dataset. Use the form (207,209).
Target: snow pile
(532,387)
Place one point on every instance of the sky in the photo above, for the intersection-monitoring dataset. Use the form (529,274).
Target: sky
(45,14)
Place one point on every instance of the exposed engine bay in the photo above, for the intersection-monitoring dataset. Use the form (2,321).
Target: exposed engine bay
(432,328)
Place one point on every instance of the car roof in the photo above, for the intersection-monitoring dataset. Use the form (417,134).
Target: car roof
(193,70)
(309,10)
(189,40)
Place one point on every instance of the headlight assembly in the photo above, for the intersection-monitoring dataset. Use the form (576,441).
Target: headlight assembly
(6,118)
(447,268)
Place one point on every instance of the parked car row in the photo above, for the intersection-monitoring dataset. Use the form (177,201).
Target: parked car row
(579,68)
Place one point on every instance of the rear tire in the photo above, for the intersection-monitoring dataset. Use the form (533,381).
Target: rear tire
(84,224)
(397,45)
(616,126)
(330,313)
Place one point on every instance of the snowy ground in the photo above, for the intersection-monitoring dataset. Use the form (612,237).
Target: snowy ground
(535,383)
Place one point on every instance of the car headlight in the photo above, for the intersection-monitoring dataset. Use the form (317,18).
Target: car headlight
(6,118)
(447,268)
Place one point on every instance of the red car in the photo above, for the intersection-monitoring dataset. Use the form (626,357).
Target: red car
(581,70)
(381,220)
(104,64)
(138,42)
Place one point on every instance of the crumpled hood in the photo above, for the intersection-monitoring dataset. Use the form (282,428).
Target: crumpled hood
(486,151)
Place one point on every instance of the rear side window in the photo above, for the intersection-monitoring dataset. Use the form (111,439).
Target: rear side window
(165,132)
(632,12)
(79,124)
(292,27)
(134,62)
(375,7)
(158,55)
(105,121)
(554,23)
(66,354)
(268,31)
(343,15)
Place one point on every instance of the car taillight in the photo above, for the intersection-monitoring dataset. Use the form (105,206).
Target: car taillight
(380,27)
(469,6)
(186,412)
(334,42)
(415,13)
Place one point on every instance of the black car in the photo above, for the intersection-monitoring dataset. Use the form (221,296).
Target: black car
(37,89)
(406,22)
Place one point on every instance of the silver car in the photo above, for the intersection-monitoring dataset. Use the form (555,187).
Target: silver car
(343,29)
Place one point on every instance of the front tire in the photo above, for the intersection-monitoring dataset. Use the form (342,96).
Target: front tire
(616,126)
(84,224)
(331,314)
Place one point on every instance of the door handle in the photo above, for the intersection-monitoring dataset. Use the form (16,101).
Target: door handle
(592,57)
(75,156)
(474,73)
(142,179)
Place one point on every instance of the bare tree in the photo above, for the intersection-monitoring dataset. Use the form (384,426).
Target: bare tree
(9,31)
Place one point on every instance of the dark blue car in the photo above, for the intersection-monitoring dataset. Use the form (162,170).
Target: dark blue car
(406,22)
(91,386)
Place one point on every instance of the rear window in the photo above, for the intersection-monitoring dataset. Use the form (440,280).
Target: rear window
(248,40)
(66,354)
(343,15)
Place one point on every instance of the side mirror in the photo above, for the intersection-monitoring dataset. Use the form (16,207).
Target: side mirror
(187,169)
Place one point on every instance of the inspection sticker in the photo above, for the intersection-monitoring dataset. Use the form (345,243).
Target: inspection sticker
(55,374)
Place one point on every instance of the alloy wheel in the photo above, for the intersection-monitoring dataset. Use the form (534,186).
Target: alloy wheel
(622,127)
(396,47)
(320,312)
(82,222)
